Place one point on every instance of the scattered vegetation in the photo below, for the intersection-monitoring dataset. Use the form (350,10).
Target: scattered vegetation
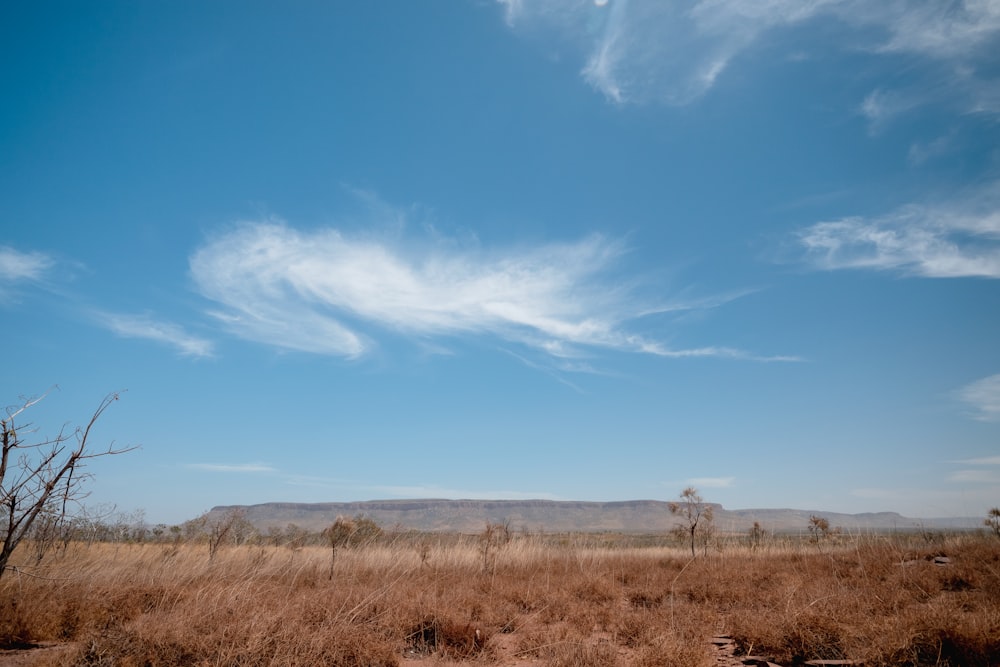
(548,600)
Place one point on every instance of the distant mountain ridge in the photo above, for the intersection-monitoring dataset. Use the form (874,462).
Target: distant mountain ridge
(631,516)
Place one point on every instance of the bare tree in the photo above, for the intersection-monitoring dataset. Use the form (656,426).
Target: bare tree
(293,536)
(42,478)
(696,513)
(992,520)
(229,526)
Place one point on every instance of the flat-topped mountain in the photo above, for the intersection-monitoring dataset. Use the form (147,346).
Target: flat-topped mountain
(633,516)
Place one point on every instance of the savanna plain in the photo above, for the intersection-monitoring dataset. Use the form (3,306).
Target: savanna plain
(402,599)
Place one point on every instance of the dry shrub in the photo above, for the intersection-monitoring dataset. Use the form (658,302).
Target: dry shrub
(544,640)
(635,629)
(448,638)
(596,590)
(602,654)
(646,599)
(668,651)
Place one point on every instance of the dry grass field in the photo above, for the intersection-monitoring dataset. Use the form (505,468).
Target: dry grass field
(576,601)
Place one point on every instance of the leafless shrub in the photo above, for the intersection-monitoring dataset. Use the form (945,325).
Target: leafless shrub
(493,537)
(42,481)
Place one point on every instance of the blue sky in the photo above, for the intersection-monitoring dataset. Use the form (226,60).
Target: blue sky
(565,249)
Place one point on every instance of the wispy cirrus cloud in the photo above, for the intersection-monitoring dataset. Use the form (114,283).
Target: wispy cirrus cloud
(976,476)
(958,238)
(921,152)
(146,327)
(938,29)
(555,373)
(984,395)
(711,482)
(712,351)
(20,267)
(233,467)
(982,461)
(882,106)
(984,398)
(643,50)
(328,292)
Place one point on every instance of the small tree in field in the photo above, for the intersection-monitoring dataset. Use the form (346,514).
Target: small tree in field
(695,512)
(494,536)
(339,534)
(992,520)
(218,530)
(367,531)
(756,535)
(819,528)
(42,480)
(230,527)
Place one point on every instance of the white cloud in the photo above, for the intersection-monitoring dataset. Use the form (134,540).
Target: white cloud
(233,467)
(975,477)
(712,351)
(143,326)
(314,291)
(881,106)
(984,396)
(640,50)
(872,492)
(554,372)
(939,29)
(953,87)
(16,266)
(920,153)
(984,94)
(711,482)
(960,238)
(982,461)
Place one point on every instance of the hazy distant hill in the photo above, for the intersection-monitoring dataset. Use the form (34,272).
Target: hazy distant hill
(641,516)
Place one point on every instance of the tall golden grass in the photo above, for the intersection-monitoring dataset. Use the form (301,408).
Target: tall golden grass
(569,600)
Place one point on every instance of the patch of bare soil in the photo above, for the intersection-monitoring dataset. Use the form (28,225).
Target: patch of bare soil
(26,654)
